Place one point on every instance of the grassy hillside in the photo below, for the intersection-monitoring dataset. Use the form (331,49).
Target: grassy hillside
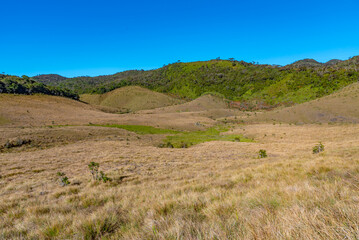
(213,190)
(342,106)
(203,103)
(129,99)
(40,110)
(256,85)
(24,85)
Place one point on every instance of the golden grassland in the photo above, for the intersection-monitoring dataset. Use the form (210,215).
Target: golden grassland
(342,106)
(3,120)
(213,190)
(129,99)
(43,110)
(204,103)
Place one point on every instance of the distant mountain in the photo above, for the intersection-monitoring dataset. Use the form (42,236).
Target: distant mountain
(249,83)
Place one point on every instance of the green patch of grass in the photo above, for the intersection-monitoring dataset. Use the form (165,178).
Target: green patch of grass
(139,129)
(187,139)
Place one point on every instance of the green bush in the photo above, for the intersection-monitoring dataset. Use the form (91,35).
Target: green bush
(318,148)
(262,153)
(64,180)
(96,174)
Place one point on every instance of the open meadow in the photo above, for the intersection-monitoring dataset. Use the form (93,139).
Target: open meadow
(169,177)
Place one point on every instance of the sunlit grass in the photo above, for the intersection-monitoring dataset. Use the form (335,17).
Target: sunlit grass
(139,129)
(187,139)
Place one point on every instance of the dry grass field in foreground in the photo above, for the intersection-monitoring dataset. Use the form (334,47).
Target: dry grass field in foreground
(214,190)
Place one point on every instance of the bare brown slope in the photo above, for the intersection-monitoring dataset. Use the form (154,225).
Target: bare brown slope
(342,106)
(130,99)
(203,103)
(207,106)
(39,110)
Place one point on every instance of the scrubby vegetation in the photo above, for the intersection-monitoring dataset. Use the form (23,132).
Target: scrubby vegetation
(254,85)
(262,153)
(25,85)
(318,148)
(97,175)
(63,179)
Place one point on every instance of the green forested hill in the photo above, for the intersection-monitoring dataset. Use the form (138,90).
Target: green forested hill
(237,80)
(85,84)
(25,85)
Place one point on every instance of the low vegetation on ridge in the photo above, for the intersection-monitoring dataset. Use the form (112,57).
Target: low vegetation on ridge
(196,170)
(27,86)
(257,85)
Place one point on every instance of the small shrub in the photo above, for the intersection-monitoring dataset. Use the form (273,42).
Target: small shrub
(318,148)
(64,180)
(169,145)
(102,177)
(93,166)
(262,153)
(96,174)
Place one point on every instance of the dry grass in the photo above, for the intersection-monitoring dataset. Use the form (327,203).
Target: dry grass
(215,190)
(342,106)
(130,99)
(203,103)
(42,110)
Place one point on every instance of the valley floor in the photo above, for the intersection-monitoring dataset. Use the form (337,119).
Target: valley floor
(214,190)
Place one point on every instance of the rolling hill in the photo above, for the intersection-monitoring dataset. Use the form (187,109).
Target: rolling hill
(129,99)
(44,110)
(341,106)
(254,84)
(203,103)
(27,86)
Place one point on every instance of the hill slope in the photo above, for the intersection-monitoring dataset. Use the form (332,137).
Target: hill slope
(129,99)
(27,86)
(342,106)
(203,103)
(255,84)
(40,110)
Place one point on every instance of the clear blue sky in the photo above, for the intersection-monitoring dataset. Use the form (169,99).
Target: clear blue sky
(78,37)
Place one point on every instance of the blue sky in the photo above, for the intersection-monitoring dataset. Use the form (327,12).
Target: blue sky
(78,37)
